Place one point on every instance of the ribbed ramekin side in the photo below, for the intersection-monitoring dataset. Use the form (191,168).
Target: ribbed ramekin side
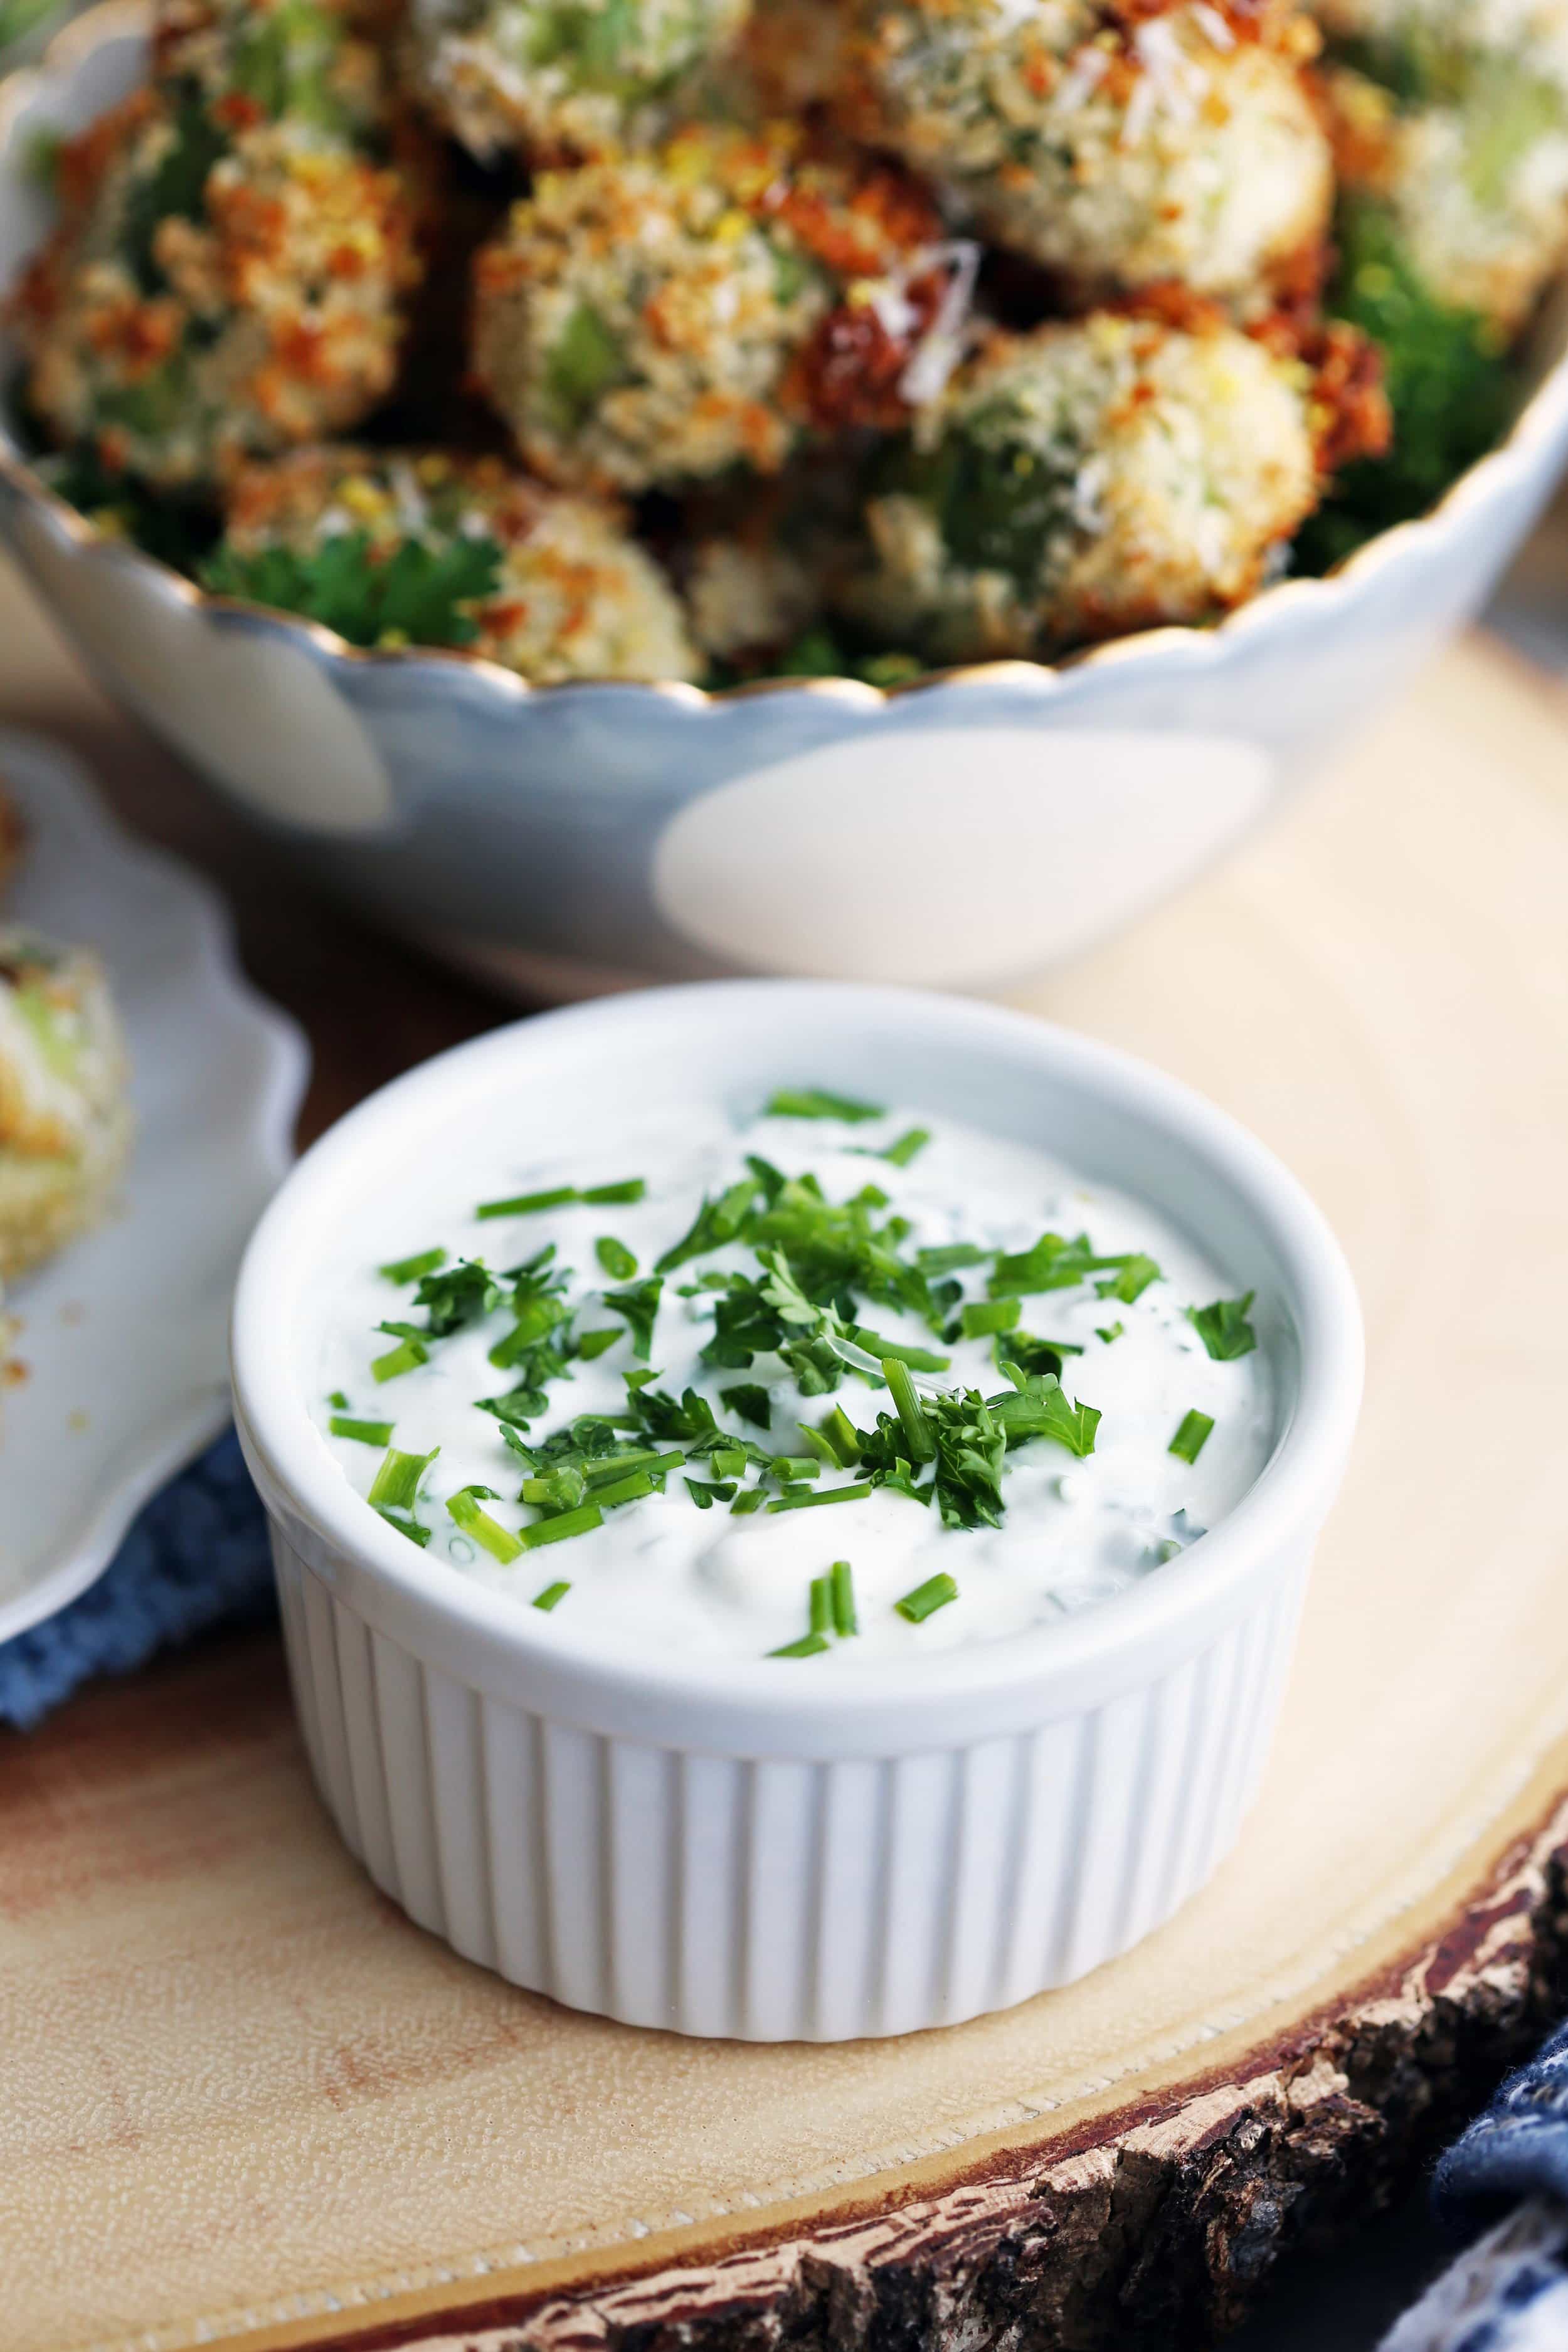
(773,1899)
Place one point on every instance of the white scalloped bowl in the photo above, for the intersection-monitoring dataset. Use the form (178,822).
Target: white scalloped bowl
(725,1845)
(965,833)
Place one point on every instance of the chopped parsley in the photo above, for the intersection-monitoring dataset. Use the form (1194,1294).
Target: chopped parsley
(639,1305)
(751,1401)
(1224,1328)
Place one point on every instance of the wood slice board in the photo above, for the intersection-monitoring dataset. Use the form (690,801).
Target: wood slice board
(243,2101)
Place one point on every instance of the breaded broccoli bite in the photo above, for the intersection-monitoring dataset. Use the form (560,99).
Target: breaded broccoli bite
(65,1124)
(311,62)
(1471,174)
(554,79)
(209,296)
(1115,143)
(1092,478)
(659,318)
(397,548)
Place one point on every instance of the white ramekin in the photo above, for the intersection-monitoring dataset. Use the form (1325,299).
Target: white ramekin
(726,1847)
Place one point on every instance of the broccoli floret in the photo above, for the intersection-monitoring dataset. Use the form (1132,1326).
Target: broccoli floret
(412,597)
(1450,387)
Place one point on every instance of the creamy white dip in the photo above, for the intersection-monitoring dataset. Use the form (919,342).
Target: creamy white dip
(672,1570)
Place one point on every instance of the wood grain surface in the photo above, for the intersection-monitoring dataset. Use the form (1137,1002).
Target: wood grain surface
(243,2101)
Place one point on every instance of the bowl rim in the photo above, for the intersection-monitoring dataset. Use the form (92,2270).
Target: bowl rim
(1542,415)
(1053,1665)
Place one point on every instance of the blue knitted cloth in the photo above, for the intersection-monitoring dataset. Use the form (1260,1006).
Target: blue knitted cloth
(1509,2291)
(196,1557)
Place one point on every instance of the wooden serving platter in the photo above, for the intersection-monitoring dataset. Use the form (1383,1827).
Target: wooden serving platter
(243,2102)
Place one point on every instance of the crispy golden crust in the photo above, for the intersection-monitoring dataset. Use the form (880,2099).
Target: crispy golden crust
(653,318)
(272,313)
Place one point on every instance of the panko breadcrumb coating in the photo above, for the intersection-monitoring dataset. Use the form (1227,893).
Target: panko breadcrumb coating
(65,1124)
(557,79)
(1473,182)
(469,551)
(210,296)
(1114,142)
(658,319)
(314,62)
(1092,478)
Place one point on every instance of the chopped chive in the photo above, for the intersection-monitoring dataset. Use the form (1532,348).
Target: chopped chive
(803,1498)
(606,1196)
(401,1358)
(841,1578)
(810,1645)
(927,1598)
(557,1530)
(1192,1436)
(561,1490)
(550,1597)
(788,1467)
(918,1359)
(526,1205)
(819,1445)
(748,1500)
(625,1490)
(617,1261)
(612,1466)
(751,1401)
(594,1343)
(908,1146)
(910,1412)
(949,1259)
(822,1604)
(869,1196)
(816,1102)
(409,1269)
(339,1402)
(412,1528)
(716,1224)
(499,1541)
(366,1433)
(1109,1331)
(1223,1328)
(984,1316)
(843,1437)
(728,1461)
(397,1480)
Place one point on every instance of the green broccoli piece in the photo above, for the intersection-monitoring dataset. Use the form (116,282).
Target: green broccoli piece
(411,597)
(1450,386)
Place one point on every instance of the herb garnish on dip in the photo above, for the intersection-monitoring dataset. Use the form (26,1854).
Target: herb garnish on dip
(1011,1391)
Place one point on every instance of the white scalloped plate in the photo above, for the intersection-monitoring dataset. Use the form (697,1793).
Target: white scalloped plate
(125,1335)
